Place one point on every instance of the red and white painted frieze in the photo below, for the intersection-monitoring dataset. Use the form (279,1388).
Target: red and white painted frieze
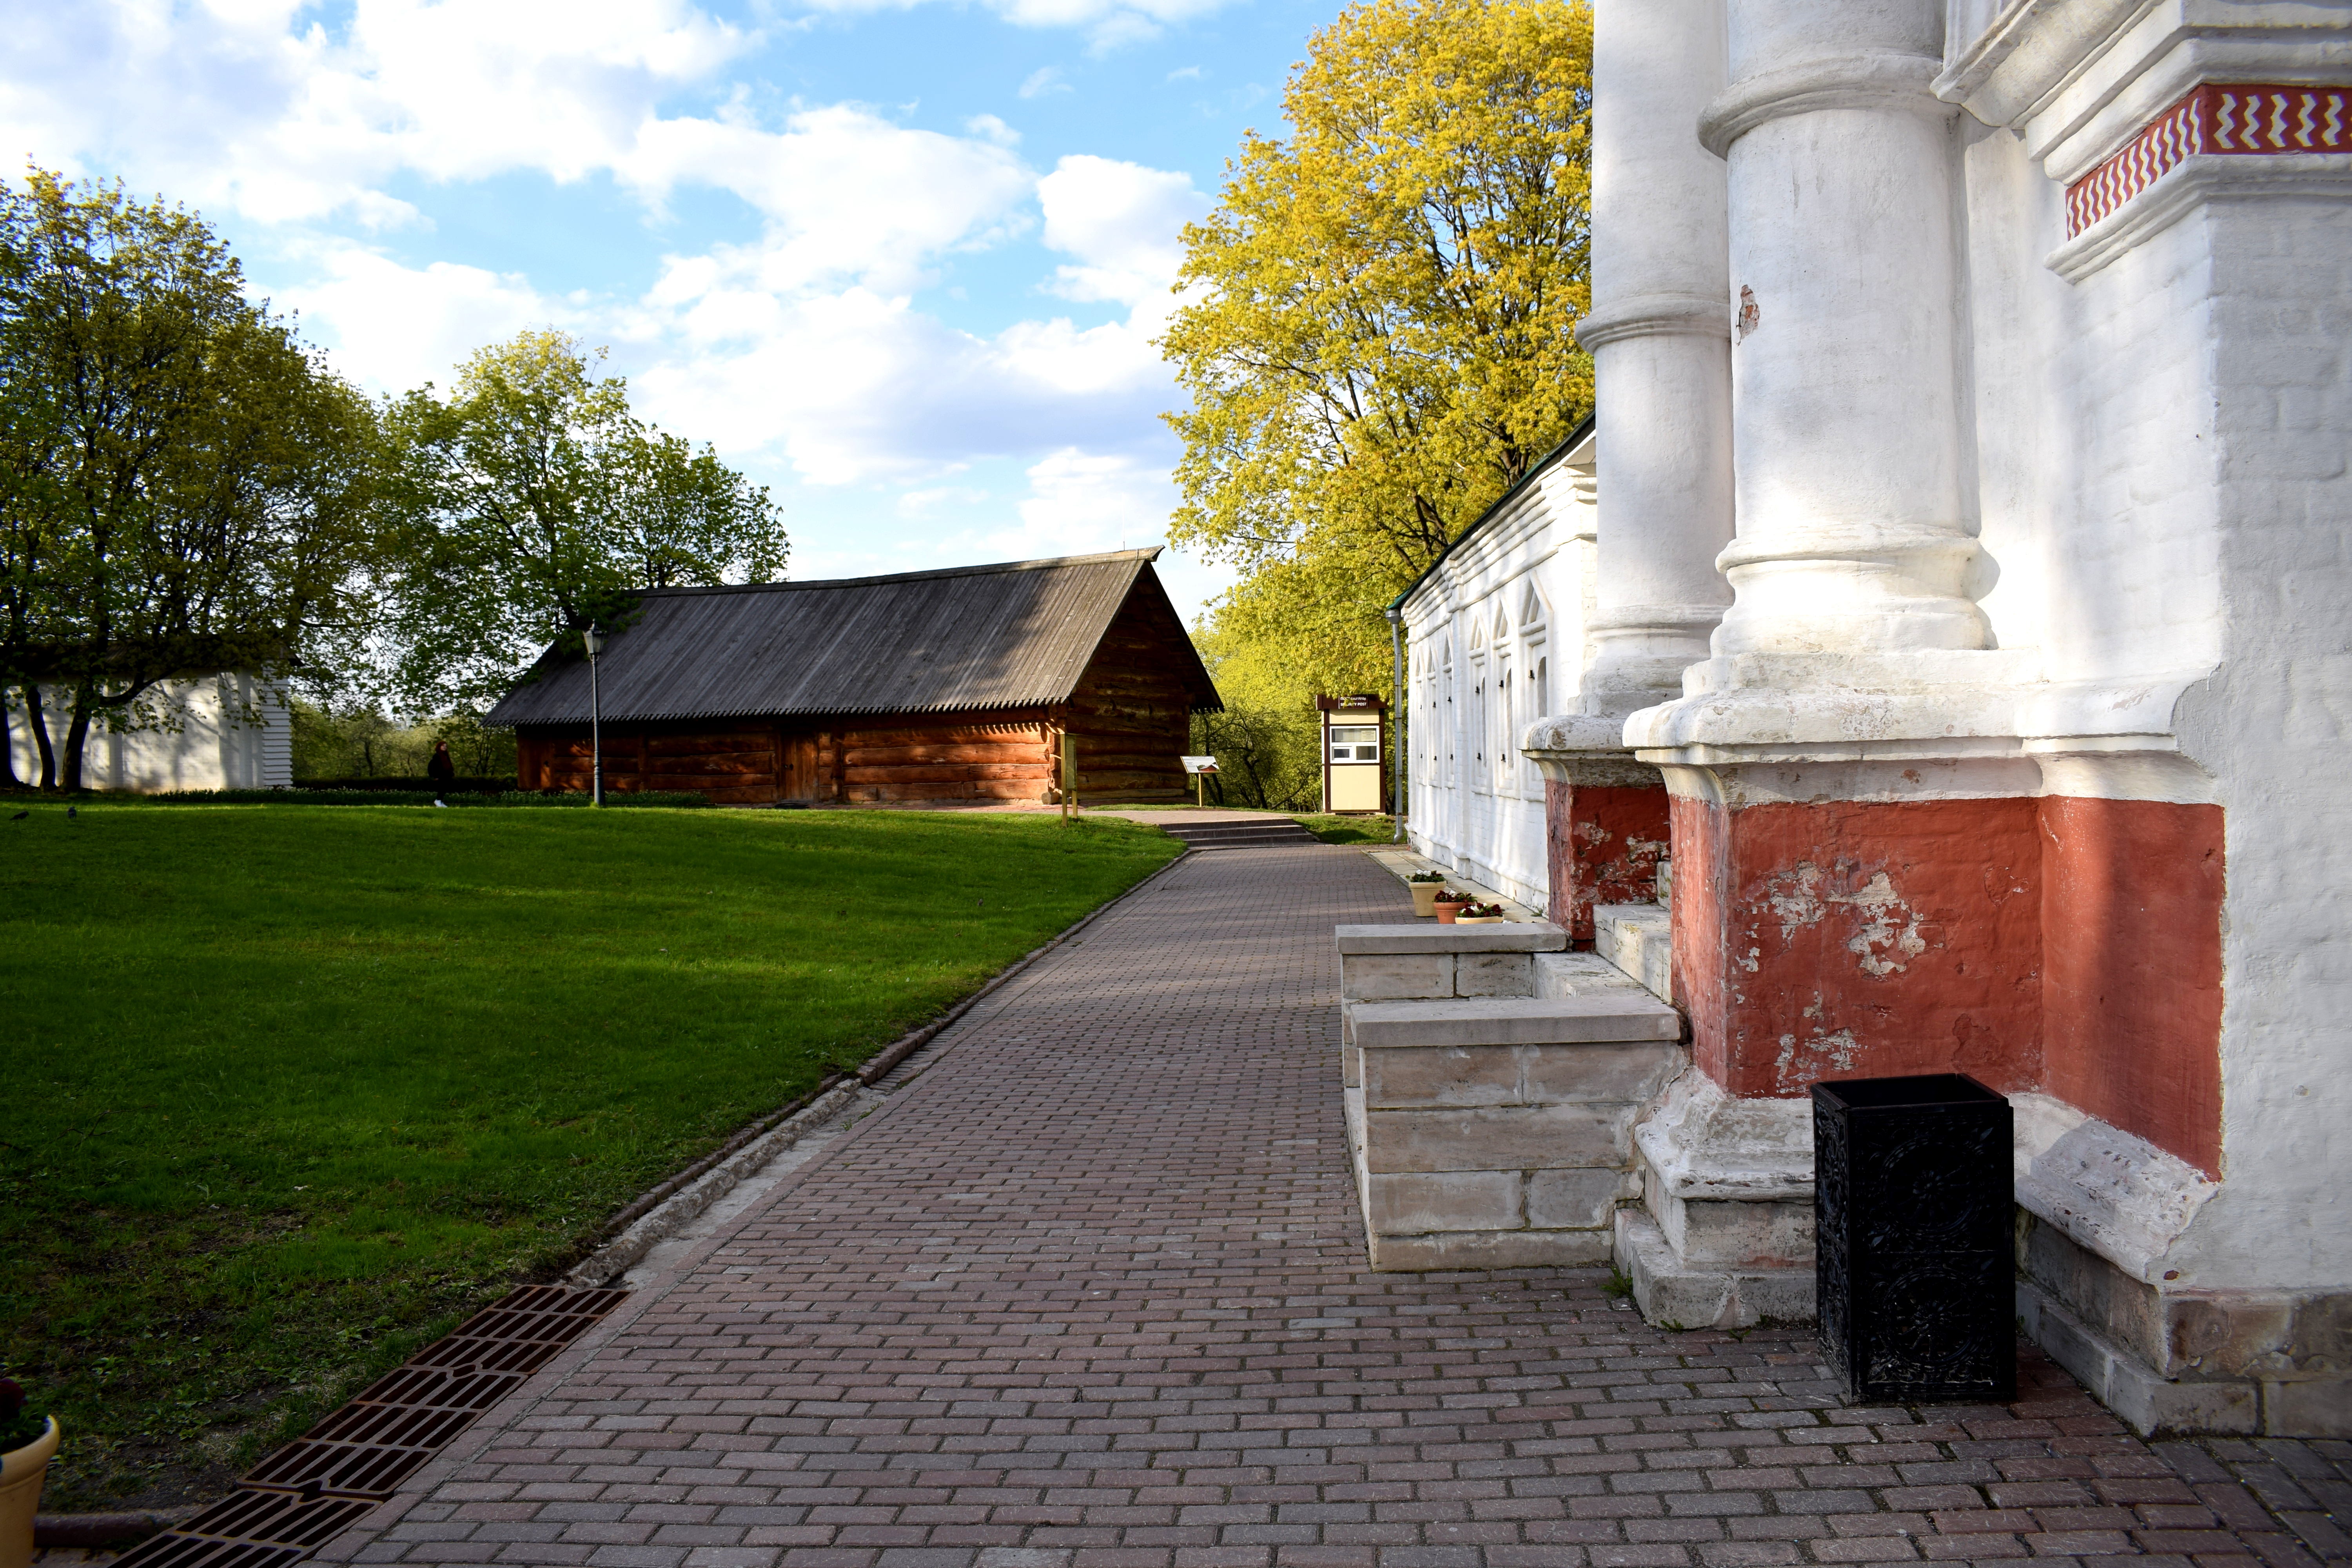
(2216,117)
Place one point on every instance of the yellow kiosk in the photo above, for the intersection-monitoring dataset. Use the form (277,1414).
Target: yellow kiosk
(1354,779)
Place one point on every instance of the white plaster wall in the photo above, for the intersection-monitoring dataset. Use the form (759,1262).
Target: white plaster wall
(2271,726)
(2093,427)
(1477,805)
(2160,461)
(203,736)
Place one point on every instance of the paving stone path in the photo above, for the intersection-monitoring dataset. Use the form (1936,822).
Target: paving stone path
(1088,1292)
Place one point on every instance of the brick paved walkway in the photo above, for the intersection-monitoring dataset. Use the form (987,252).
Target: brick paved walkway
(1088,1293)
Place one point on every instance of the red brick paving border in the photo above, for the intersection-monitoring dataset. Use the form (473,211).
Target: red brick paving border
(1091,1293)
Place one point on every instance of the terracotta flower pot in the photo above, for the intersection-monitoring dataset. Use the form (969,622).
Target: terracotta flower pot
(22,1470)
(1480,920)
(1424,898)
(1445,913)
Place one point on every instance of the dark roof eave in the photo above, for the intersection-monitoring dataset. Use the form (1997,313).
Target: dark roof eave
(1567,444)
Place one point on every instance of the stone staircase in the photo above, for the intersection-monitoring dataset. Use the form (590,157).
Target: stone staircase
(1493,1082)
(1510,1103)
(1255,833)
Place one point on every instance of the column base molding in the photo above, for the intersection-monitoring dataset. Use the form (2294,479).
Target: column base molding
(1676,1294)
(1725,1235)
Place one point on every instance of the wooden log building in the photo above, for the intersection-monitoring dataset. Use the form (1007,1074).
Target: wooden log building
(920,687)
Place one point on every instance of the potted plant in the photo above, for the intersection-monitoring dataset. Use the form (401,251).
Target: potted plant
(1447,904)
(1425,886)
(26,1443)
(1480,915)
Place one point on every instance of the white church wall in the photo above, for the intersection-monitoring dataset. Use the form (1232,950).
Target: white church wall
(2269,724)
(230,730)
(2163,489)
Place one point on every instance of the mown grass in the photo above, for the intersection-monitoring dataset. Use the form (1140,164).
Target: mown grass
(292,1087)
(1333,830)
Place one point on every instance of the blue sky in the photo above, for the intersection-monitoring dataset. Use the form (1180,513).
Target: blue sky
(900,261)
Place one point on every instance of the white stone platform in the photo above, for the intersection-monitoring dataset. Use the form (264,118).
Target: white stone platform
(1493,1081)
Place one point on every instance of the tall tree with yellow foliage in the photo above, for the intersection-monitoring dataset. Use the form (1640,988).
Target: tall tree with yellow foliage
(1378,334)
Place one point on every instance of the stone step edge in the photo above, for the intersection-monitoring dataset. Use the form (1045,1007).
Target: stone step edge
(1673,1295)
(1400,939)
(1512,1021)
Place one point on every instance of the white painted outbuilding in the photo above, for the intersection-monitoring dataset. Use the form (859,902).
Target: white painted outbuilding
(1493,639)
(225,730)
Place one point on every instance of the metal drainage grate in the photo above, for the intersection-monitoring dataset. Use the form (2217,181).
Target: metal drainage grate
(251,1528)
(325,1480)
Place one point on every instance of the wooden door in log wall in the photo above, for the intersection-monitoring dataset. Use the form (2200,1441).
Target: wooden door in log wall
(803,773)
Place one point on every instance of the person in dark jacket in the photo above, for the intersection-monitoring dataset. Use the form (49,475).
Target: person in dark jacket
(442,771)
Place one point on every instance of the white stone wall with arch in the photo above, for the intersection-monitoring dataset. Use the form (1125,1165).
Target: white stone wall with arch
(1494,637)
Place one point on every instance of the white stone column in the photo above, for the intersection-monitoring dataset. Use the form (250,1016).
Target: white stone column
(1853,536)
(1660,333)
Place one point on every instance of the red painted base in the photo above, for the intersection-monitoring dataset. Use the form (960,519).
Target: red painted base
(2131,972)
(1604,843)
(2067,944)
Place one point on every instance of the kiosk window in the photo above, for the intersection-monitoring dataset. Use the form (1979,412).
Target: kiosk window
(1355,742)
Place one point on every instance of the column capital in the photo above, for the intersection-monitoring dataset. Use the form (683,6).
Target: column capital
(1895,81)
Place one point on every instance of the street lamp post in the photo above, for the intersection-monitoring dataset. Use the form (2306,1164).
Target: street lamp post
(594,642)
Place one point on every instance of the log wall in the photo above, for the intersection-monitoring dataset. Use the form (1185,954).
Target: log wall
(1130,711)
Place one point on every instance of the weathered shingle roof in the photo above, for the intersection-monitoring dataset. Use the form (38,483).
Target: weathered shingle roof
(1007,636)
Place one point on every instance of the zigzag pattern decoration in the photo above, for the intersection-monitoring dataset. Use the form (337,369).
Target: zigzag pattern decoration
(2214,117)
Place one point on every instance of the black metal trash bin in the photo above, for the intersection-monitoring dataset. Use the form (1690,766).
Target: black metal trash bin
(1915,1275)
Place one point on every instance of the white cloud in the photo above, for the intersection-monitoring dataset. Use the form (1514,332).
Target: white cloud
(1109,23)
(393,327)
(1185,73)
(1043,80)
(1119,32)
(856,386)
(231,107)
(1121,220)
(1080,502)
(925,505)
(801,339)
(849,197)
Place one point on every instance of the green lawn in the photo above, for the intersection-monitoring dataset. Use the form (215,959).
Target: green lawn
(1336,829)
(290,1087)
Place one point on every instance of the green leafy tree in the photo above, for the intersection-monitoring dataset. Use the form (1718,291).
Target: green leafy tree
(534,504)
(1379,336)
(183,486)
(1267,739)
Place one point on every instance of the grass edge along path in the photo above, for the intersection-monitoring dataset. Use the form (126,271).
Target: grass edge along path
(306,1085)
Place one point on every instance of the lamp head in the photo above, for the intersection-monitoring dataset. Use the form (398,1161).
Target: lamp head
(592,640)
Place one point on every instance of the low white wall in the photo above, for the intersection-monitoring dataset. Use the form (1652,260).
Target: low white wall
(1494,640)
(230,730)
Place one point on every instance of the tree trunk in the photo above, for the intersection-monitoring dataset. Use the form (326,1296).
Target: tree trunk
(8,779)
(38,719)
(76,740)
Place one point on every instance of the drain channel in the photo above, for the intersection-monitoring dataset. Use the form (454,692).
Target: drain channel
(302,1495)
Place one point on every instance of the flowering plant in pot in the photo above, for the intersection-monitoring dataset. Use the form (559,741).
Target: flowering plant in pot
(1425,886)
(27,1442)
(1480,915)
(1447,904)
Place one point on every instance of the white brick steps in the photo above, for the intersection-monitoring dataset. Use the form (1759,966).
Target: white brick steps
(1492,1081)
(1514,1021)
